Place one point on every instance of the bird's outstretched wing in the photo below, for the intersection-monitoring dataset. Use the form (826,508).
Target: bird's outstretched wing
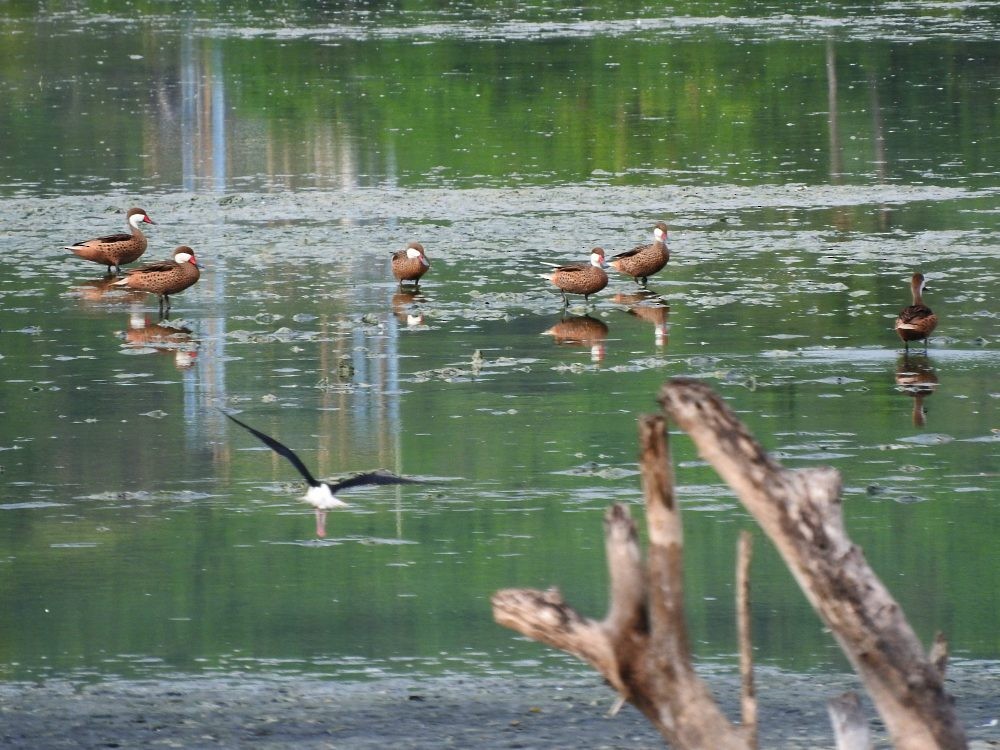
(371,477)
(280,449)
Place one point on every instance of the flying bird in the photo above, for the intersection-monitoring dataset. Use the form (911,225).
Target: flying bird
(322,495)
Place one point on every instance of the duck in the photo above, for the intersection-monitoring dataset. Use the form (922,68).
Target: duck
(116,249)
(581,278)
(643,261)
(410,263)
(916,322)
(322,495)
(165,277)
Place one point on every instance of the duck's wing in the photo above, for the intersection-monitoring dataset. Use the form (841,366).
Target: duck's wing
(914,313)
(162,266)
(281,450)
(371,477)
(111,238)
(630,253)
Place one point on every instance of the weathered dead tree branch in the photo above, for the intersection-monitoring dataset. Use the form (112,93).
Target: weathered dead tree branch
(800,511)
(748,693)
(641,646)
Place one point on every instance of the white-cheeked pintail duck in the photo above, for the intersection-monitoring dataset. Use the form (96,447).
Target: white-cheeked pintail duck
(116,249)
(643,261)
(581,278)
(164,278)
(410,263)
(917,321)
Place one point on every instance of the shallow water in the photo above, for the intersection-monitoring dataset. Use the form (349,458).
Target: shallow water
(144,534)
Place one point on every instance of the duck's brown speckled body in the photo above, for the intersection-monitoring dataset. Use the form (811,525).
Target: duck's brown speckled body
(164,278)
(643,261)
(410,263)
(116,249)
(916,322)
(581,278)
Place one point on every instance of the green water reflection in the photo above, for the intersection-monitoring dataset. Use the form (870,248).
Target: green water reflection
(805,172)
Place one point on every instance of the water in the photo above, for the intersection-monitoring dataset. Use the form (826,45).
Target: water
(806,164)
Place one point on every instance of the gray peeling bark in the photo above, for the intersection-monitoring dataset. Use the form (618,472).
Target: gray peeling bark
(641,646)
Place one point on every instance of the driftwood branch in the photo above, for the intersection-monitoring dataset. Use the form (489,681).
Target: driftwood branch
(850,728)
(748,693)
(641,646)
(800,511)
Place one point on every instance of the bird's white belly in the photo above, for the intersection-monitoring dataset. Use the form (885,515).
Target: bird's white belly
(321,497)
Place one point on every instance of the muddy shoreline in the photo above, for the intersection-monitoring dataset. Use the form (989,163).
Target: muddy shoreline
(427,712)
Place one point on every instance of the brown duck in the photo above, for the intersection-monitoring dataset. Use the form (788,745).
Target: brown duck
(164,278)
(116,249)
(410,263)
(581,278)
(643,261)
(917,321)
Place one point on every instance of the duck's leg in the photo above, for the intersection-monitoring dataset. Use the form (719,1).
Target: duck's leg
(565,298)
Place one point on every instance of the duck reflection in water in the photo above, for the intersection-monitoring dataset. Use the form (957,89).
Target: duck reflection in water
(650,307)
(163,337)
(916,378)
(97,292)
(321,495)
(581,330)
(406,306)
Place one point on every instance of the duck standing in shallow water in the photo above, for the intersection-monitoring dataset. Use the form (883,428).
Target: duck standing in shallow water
(917,321)
(410,263)
(321,495)
(164,278)
(643,261)
(581,278)
(116,249)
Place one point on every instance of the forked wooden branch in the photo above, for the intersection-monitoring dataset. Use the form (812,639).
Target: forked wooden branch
(801,513)
(641,645)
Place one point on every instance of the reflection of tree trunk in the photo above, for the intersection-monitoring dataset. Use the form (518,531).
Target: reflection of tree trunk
(836,153)
(878,136)
(641,646)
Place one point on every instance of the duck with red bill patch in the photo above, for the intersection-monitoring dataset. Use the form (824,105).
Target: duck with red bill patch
(410,263)
(643,261)
(321,495)
(164,278)
(115,249)
(581,278)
